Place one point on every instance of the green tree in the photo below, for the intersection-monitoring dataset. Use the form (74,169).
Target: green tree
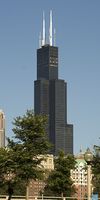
(8,179)
(22,156)
(96,170)
(59,182)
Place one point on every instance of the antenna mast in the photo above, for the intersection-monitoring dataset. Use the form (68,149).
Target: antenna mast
(43,33)
(40,41)
(50,29)
(54,37)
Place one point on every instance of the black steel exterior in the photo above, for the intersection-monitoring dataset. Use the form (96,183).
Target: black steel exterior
(47,62)
(50,99)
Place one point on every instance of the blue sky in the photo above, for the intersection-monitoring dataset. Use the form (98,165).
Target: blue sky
(77,26)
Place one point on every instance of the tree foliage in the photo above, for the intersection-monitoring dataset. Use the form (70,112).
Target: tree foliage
(8,181)
(30,133)
(20,161)
(59,182)
(96,170)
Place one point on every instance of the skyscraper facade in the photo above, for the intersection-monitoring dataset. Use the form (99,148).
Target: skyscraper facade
(2,129)
(50,95)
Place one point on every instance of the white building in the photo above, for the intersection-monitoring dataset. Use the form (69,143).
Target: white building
(79,177)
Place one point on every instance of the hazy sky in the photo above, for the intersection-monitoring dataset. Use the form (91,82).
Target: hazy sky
(77,24)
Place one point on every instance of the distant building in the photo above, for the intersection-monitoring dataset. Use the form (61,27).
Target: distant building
(79,177)
(36,187)
(2,129)
(50,95)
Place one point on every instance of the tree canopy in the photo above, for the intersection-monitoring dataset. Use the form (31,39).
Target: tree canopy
(31,141)
(20,161)
(59,182)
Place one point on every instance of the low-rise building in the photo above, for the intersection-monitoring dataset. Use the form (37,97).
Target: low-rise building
(37,186)
(79,177)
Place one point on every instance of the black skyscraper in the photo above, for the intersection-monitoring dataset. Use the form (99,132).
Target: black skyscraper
(50,97)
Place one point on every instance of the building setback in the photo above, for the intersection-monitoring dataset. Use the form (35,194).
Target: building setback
(2,129)
(50,95)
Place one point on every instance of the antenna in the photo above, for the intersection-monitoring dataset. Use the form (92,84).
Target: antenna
(54,37)
(40,40)
(50,29)
(43,33)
